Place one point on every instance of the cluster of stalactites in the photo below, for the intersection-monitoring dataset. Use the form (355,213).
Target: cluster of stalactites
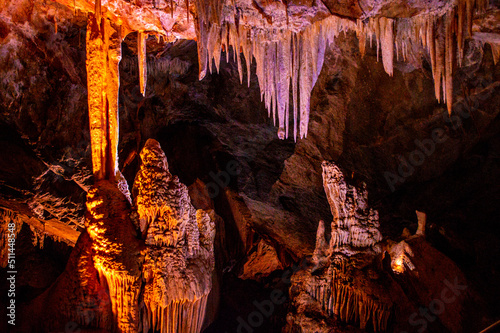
(355,226)
(444,38)
(287,63)
(349,304)
(288,60)
(178,316)
(124,292)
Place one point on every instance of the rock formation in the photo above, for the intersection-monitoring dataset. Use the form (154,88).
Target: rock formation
(161,282)
(359,78)
(288,47)
(337,278)
(356,278)
(179,248)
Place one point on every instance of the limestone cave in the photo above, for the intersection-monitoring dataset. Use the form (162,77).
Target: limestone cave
(247,166)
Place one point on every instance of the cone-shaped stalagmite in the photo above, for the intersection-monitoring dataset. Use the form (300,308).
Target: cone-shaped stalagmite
(179,248)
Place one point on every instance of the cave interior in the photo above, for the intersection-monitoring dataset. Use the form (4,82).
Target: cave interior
(246,166)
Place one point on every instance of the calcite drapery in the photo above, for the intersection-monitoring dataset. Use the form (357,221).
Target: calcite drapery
(179,247)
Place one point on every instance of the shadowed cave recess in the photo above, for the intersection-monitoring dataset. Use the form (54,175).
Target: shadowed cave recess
(250,166)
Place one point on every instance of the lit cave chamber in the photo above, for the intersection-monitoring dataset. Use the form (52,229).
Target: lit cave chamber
(248,166)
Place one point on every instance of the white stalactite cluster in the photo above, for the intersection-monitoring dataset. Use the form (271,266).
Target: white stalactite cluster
(335,280)
(289,61)
(349,304)
(179,239)
(286,62)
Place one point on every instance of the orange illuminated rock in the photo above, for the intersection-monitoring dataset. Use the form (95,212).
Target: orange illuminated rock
(179,248)
(103,82)
(116,251)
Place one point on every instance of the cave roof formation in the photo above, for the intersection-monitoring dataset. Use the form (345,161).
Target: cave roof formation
(288,40)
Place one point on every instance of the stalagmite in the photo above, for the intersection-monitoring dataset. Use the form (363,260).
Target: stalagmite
(354,224)
(142,60)
(179,248)
(335,281)
(401,254)
(116,251)
(422,219)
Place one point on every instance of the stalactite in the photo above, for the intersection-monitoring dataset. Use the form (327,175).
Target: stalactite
(103,58)
(141,55)
(450,57)
(304,52)
(495,49)
(422,219)
(387,44)
(361,34)
(348,304)
(98,10)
